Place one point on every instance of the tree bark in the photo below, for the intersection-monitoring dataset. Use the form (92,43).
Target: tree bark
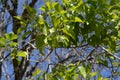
(18,68)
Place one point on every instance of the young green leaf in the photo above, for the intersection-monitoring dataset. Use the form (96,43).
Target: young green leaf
(82,71)
(11,36)
(77,19)
(22,54)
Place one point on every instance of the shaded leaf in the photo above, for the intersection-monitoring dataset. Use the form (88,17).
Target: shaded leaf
(36,72)
(40,42)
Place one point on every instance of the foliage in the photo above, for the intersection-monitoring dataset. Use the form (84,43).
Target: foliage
(78,39)
(72,19)
(75,22)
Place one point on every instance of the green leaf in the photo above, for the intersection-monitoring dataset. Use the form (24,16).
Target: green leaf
(13,53)
(25,34)
(57,7)
(40,21)
(54,4)
(42,8)
(48,5)
(82,71)
(80,2)
(20,30)
(100,77)
(118,35)
(52,30)
(36,72)
(14,44)
(11,36)
(63,12)
(2,42)
(18,17)
(63,40)
(69,31)
(41,17)
(22,54)
(93,74)
(77,19)
(40,43)
(30,10)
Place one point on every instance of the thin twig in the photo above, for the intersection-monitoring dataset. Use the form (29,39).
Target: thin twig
(47,56)
(32,45)
(110,53)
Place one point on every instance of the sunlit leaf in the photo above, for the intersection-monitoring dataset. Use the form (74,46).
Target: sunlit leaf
(69,31)
(22,54)
(18,17)
(48,5)
(93,74)
(100,77)
(14,44)
(42,8)
(82,71)
(77,19)
(11,36)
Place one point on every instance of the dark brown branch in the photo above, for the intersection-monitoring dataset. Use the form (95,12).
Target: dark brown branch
(109,53)
(18,70)
(25,15)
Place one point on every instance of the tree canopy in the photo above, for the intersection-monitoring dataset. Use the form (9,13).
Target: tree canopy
(63,40)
